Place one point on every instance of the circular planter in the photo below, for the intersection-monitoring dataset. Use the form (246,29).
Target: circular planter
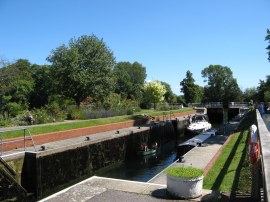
(184,187)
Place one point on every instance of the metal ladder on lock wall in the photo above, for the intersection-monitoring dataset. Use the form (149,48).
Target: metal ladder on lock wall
(9,141)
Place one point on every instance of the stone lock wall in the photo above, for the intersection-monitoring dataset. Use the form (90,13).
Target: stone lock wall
(47,172)
(10,189)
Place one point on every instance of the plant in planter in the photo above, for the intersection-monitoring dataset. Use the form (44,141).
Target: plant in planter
(184,182)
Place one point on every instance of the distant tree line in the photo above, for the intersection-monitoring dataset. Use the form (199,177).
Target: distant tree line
(85,72)
(221,86)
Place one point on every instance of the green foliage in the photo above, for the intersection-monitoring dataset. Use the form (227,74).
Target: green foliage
(267,96)
(221,86)
(48,114)
(76,113)
(10,109)
(54,110)
(83,68)
(250,94)
(169,96)
(43,86)
(231,171)
(267,38)
(94,122)
(263,90)
(41,116)
(154,92)
(192,92)
(4,122)
(19,120)
(16,85)
(247,121)
(180,99)
(185,172)
(113,106)
(129,80)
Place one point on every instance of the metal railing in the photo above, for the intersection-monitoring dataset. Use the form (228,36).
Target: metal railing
(214,105)
(238,105)
(167,115)
(20,139)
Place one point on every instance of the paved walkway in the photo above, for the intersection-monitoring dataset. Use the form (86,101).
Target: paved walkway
(98,189)
(199,157)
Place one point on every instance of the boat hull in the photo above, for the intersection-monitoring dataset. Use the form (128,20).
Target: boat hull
(146,153)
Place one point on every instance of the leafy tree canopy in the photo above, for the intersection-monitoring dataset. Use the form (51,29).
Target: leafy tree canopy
(250,94)
(129,80)
(221,86)
(83,68)
(192,92)
(43,87)
(169,96)
(16,81)
(154,92)
(268,39)
(263,89)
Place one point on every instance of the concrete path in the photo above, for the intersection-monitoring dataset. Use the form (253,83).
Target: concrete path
(198,157)
(98,189)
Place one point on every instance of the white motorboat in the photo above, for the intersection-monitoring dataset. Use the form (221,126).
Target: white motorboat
(198,124)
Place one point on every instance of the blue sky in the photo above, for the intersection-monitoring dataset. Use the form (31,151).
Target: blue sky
(167,37)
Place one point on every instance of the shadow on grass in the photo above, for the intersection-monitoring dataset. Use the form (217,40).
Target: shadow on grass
(237,179)
(227,164)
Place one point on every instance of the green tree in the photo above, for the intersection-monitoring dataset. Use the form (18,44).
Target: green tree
(169,96)
(268,39)
(180,99)
(16,83)
(250,94)
(43,86)
(192,92)
(129,80)
(83,68)
(263,89)
(154,92)
(221,86)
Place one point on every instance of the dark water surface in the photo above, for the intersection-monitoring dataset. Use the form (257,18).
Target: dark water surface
(144,168)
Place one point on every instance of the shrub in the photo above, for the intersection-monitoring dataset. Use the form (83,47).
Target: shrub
(75,113)
(20,120)
(185,172)
(5,122)
(55,112)
(41,116)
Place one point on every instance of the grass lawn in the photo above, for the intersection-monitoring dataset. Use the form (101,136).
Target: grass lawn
(231,171)
(93,122)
